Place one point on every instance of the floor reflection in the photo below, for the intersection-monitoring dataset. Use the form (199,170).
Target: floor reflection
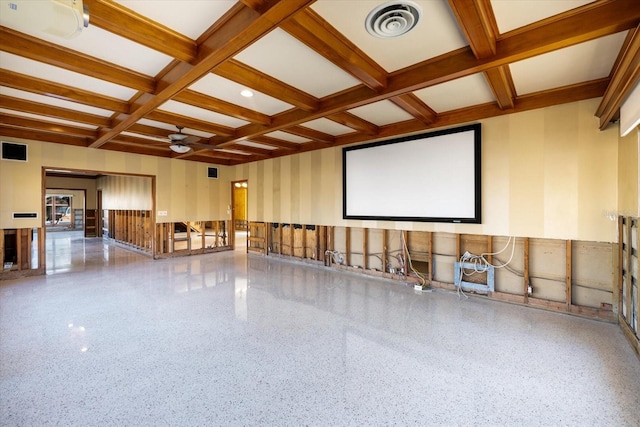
(228,338)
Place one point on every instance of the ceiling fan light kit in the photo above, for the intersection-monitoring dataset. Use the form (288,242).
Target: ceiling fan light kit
(180,149)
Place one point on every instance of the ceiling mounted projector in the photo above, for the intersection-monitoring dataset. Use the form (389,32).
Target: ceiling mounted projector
(61,18)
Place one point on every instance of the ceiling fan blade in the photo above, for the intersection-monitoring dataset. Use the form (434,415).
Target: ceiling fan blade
(191,139)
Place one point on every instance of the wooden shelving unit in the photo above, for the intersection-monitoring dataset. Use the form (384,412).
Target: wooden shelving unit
(90,224)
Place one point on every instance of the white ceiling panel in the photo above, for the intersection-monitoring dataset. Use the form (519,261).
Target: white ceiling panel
(190,18)
(288,137)
(201,114)
(327,126)
(435,34)
(459,93)
(139,135)
(283,60)
(256,145)
(46,118)
(48,72)
(104,45)
(55,102)
(381,113)
(586,61)
(227,90)
(161,125)
(227,150)
(296,65)
(512,14)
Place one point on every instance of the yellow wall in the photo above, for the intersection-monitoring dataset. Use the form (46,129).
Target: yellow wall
(547,173)
(629,174)
(182,187)
(126,192)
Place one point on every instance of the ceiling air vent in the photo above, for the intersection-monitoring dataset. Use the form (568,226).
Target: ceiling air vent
(393,19)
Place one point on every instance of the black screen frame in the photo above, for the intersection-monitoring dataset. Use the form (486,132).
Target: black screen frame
(477,177)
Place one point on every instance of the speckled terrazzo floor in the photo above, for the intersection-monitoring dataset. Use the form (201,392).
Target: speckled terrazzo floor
(115,338)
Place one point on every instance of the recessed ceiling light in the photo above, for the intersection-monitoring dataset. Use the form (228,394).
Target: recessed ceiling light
(246,93)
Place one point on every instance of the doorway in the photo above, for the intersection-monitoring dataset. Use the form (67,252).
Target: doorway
(239,213)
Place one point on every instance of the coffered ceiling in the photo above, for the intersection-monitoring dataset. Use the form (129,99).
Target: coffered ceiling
(318,78)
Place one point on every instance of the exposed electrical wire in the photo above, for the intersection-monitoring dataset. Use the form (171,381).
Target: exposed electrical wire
(480,264)
(420,276)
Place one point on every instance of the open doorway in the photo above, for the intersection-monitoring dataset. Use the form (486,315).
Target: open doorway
(239,213)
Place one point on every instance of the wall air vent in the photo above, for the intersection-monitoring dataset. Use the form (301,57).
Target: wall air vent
(13,151)
(393,19)
(25,215)
(212,173)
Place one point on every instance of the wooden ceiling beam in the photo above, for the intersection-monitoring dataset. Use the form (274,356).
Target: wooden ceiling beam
(188,122)
(239,28)
(312,134)
(533,101)
(150,131)
(479,27)
(36,135)
(502,86)
(59,91)
(46,126)
(354,122)
(48,53)
(250,77)
(312,30)
(261,152)
(623,78)
(567,29)
(414,106)
(124,22)
(141,142)
(127,147)
(31,107)
(276,142)
(206,102)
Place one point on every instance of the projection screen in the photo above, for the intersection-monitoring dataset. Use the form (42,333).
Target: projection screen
(432,177)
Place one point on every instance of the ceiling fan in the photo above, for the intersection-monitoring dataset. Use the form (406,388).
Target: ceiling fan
(182,143)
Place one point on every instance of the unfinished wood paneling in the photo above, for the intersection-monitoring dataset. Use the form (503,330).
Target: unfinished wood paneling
(18,247)
(509,279)
(275,238)
(593,272)
(420,245)
(375,249)
(444,256)
(547,269)
(356,243)
(186,238)
(257,239)
(547,265)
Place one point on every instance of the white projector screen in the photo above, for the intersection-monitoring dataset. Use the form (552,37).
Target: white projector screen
(432,177)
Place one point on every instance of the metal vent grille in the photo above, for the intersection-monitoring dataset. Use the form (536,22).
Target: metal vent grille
(393,19)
